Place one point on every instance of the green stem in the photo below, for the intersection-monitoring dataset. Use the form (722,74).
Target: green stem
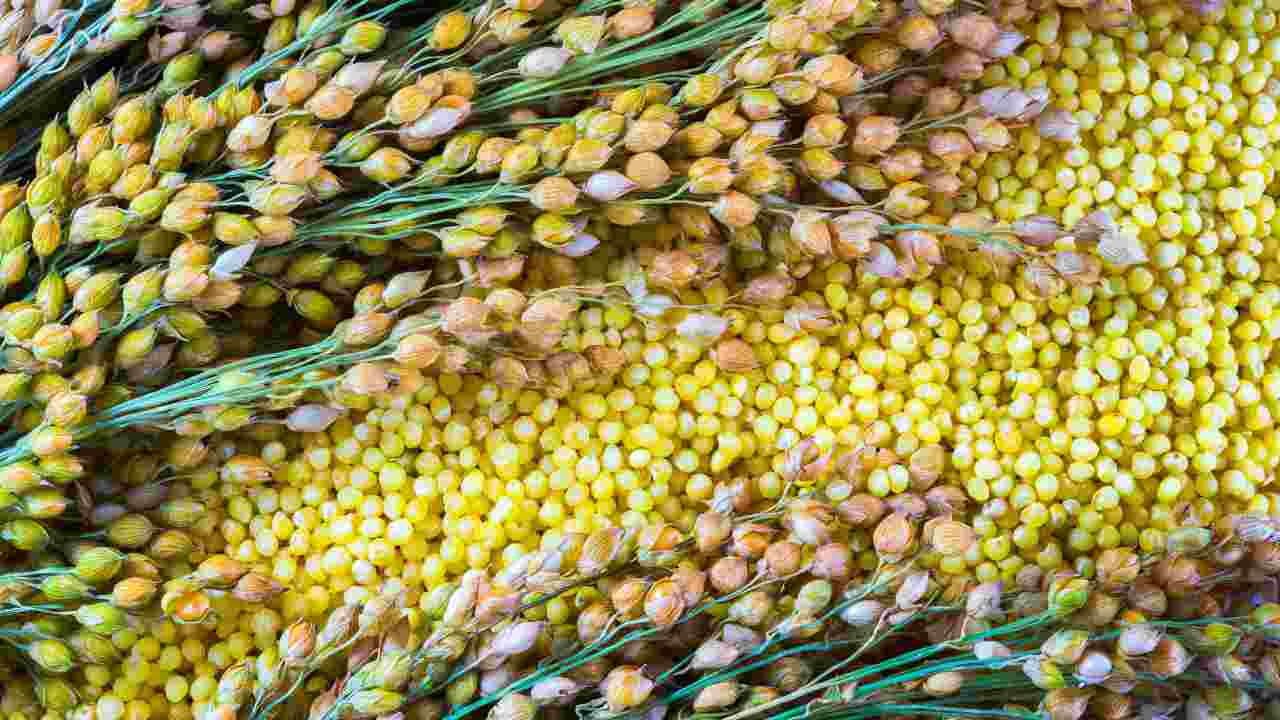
(899,661)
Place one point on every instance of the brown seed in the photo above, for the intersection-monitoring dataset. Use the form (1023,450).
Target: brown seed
(466,314)
(648,170)
(554,194)
(647,136)
(606,360)
(674,269)
(942,100)
(919,33)
(134,592)
(1148,598)
(626,687)
(788,674)
(963,65)
(862,510)
(973,31)
(949,537)
(736,209)
(418,351)
(714,655)
(728,574)
(783,558)
(498,271)
(510,373)
(710,175)
(593,621)
(734,356)
(658,537)
(631,22)
(875,135)
(710,531)
(1117,567)
(256,588)
(833,561)
(628,596)
(366,379)
(1067,703)
(664,603)
(717,696)
(894,536)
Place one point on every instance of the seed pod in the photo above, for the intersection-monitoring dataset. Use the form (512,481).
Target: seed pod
(1214,639)
(664,603)
(51,655)
(67,409)
(375,702)
(628,597)
(514,706)
(516,639)
(1068,595)
(626,687)
(554,691)
(1066,703)
(717,696)
(788,674)
(751,609)
(26,534)
(1169,659)
(297,643)
(1043,673)
(387,165)
(65,587)
(52,342)
(170,544)
(277,199)
(894,536)
(99,564)
(544,62)
(20,477)
(1117,567)
(235,687)
(944,683)
(1138,639)
(1094,667)
(1065,647)
(586,155)
(101,618)
(134,593)
(1269,669)
(91,647)
(813,598)
(130,531)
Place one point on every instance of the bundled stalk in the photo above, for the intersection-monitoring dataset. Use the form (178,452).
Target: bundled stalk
(770,614)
